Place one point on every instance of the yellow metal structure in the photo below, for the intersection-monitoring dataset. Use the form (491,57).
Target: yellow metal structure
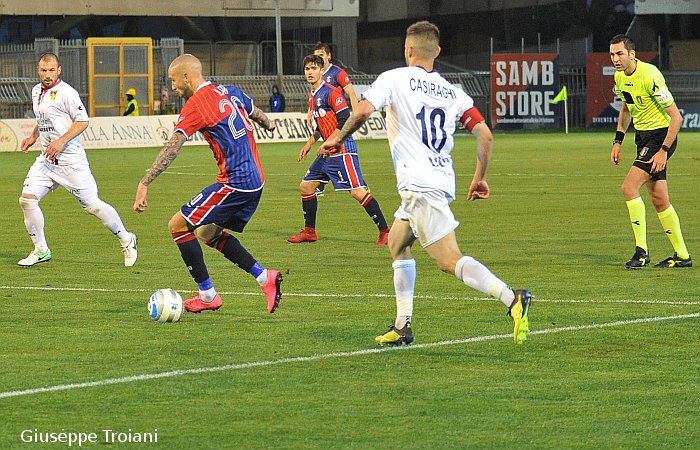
(116,65)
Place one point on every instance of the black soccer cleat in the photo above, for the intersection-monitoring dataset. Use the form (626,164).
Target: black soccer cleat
(639,259)
(675,261)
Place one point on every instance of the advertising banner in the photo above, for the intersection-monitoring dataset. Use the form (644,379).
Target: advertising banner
(602,105)
(522,89)
(153,131)
(691,116)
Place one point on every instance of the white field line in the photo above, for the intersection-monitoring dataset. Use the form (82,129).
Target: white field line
(366,295)
(321,357)
(369,173)
(559,175)
(174,172)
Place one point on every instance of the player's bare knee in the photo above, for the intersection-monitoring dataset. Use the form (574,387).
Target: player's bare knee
(446,266)
(308,187)
(178,224)
(174,226)
(660,201)
(210,234)
(398,251)
(448,263)
(358,194)
(629,192)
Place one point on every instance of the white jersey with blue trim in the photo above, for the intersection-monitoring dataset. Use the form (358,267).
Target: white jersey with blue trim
(56,109)
(421,115)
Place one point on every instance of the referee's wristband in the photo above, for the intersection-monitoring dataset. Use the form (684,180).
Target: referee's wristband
(619,137)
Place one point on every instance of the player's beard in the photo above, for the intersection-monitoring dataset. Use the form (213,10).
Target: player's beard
(186,93)
(47,83)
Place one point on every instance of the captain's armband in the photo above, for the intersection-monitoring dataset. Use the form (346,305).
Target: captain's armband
(471,118)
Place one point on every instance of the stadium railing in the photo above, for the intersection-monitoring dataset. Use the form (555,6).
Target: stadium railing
(18,75)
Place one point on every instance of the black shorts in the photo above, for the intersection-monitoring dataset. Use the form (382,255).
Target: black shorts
(648,143)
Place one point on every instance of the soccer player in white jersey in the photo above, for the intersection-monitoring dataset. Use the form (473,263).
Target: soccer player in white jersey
(422,108)
(61,117)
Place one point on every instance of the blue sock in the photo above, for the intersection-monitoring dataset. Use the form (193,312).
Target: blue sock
(206,290)
(256,270)
(205,285)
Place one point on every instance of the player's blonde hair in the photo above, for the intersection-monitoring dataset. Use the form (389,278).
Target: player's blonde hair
(424,38)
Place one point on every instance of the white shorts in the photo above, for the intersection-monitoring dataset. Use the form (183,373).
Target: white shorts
(77,179)
(428,214)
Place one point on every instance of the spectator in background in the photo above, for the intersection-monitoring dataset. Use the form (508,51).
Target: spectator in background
(132,106)
(277,100)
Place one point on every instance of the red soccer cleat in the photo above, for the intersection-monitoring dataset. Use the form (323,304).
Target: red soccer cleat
(383,238)
(272,290)
(197,305)
(308,234)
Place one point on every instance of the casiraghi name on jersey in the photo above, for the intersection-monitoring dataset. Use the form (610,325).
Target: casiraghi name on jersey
(431,89)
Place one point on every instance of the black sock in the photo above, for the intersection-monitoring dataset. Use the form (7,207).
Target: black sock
(373,210)
(233,250)
(191,253)
(309,204)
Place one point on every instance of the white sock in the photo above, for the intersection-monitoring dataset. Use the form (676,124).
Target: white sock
(262,279)
(404,282)
(34,222)
(110,219)
(479,277)
(208,295)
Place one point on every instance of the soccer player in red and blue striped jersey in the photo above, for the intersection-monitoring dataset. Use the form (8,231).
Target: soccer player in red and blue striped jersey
(335,75)
(222,114)
(342,168)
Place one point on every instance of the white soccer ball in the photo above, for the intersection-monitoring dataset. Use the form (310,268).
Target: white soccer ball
(165,305)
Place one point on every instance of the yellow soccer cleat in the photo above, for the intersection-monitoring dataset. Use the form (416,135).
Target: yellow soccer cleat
(395,336)
(518,311)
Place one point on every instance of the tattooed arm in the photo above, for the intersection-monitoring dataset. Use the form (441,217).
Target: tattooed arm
(261,119)
(165,157)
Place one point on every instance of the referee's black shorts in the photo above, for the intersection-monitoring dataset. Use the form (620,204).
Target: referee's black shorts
(648,143)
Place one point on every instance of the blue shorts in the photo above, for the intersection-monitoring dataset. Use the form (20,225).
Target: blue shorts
(223,205)
(342,170)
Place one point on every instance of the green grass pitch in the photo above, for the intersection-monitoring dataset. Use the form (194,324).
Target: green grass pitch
(611,361)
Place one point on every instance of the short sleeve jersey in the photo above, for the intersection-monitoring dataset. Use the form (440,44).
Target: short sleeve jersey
(56,109)
(335,76)
(324,103)
(221,113)
(422,110)
(646,95)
